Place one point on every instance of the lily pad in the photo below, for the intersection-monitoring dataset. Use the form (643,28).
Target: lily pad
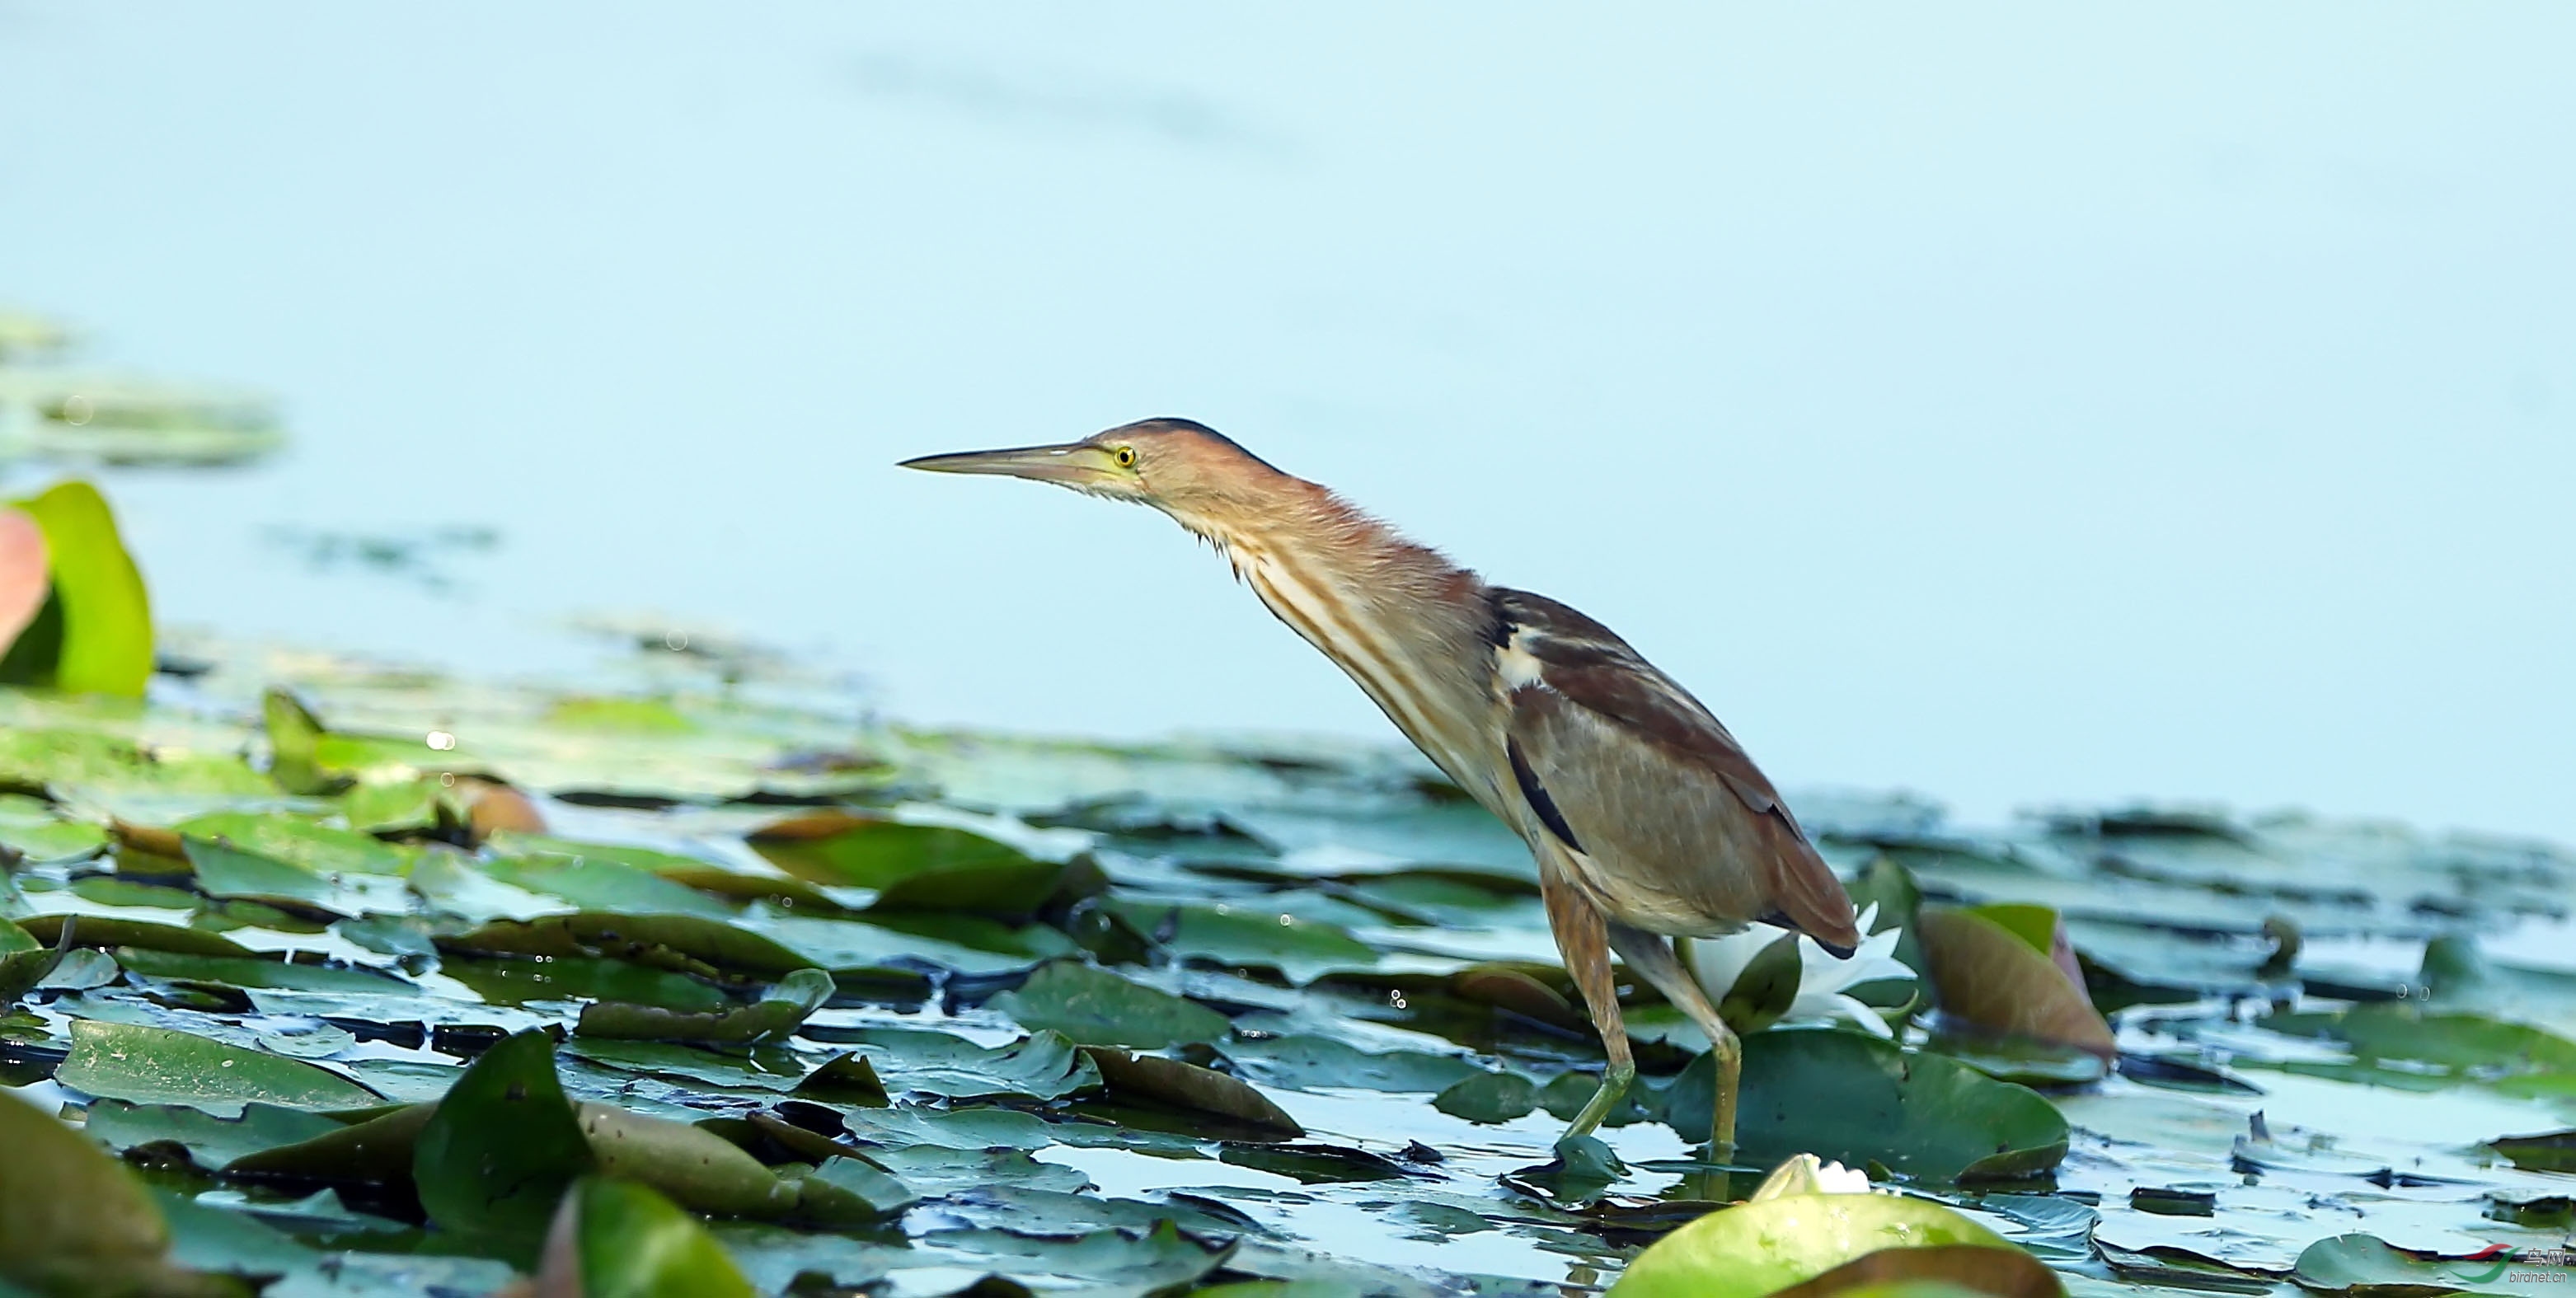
(867,852)
(1044,1066)
(614,1238)
(1098,1008)
(498,1153)
(1768,1245)
(2366,1265)
(774,1017)
(1170,1083)
(72,1221)
(148,1065)
(1857,1099)
(1991,975)
(210,1141)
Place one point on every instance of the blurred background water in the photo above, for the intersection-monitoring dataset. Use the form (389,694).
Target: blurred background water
(2011,403)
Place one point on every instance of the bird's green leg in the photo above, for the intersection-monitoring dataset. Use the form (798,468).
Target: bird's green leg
(1652,957)
(1582,937)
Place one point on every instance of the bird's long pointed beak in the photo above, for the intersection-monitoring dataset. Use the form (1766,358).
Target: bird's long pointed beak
(1072,462)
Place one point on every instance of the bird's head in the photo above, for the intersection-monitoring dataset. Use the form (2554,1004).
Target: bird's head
(1186,469)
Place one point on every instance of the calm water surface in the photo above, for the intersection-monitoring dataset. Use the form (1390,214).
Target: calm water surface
(2009,403)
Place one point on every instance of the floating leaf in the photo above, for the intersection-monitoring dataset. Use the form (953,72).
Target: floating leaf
(837,847)
(1857,1099)
(695,1167)
(1489,1097)
(1768,1245)
(1170,1083)
(241,971)
(604,885)
(310,846)
(24,961)
(224,871)
(775,1017)
(1937,1271)
(497,1154)
(109,932)
(1098,1008)
(2365,1265)
(844,1192)
(1044,1066)
(210,1141)
(2553,1151)
(680,943)
(1241,935)
(148,1065)
(1990,975)
(518,982)
(1300,1062)
(614,1239)
(73,1222)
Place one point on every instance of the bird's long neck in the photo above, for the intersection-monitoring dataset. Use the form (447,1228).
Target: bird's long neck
(1407,624)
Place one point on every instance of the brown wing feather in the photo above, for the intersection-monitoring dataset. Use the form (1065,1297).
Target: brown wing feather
(1586,665)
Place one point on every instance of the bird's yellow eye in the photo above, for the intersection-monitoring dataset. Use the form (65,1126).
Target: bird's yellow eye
(1124,457)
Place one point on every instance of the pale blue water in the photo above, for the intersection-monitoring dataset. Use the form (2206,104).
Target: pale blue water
(2012,403)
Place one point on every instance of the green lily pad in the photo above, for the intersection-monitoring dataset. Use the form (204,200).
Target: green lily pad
(1171,1083)
(24,961)
(774,1017)
(2365,1265)
(836,847)
(604,885)
(1244,935)
(1939,1271)
(692,944)
(843,1192)
(501,1148)
(308,845)
(72,1221)
(239,971)
(224,871)
(1044,1066)
(520,981)
(1767,1245)
(1098,1008)
(210,1141)
(614,1238)
(1302,1062)
(1857,1099)
(1488,1097)
(110,932)
(148,1065)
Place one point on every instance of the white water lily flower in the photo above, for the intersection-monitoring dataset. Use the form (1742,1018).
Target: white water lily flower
(1807,1174)
(1824,982)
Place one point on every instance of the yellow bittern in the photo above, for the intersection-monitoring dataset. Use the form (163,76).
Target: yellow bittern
(1647,819)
